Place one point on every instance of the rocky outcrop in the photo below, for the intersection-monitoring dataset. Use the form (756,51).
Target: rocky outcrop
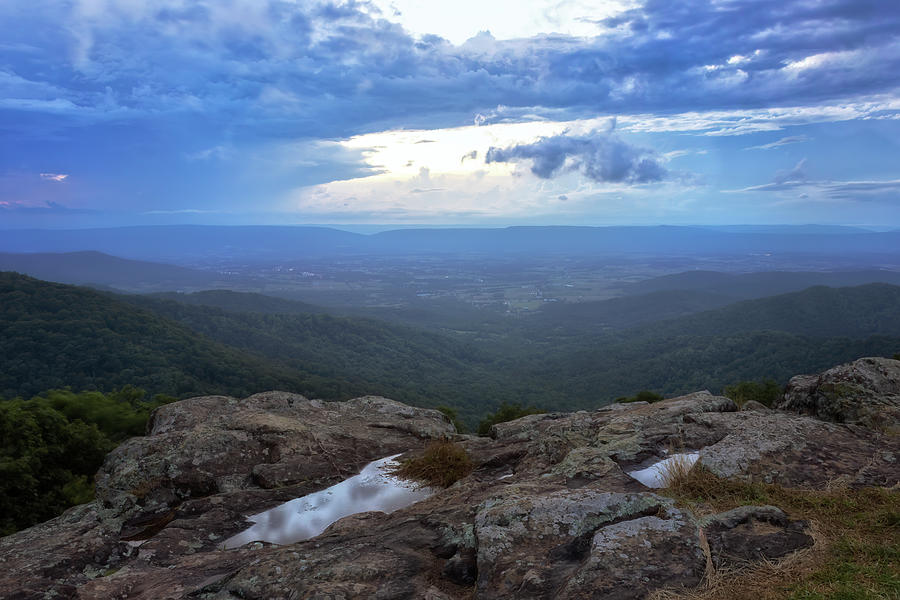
(864,392)
(212,445)
(550,510)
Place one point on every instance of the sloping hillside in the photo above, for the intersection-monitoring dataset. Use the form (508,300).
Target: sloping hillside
(54,335)
(103,270)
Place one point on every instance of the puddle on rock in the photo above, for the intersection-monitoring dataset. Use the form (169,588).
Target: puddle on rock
(374,488)
(654,475)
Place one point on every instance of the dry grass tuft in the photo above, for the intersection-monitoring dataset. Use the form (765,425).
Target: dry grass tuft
(677,472)
(856,554)
(442,464)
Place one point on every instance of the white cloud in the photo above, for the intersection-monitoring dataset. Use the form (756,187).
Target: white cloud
(785,141)
(58,177)
(460,20)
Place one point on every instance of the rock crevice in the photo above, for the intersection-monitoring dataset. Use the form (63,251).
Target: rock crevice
(549,511)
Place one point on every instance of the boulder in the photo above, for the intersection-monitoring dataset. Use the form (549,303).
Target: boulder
(797,451)
(754,405)
(864,392)
(583,544)
(750,533)
(214,444)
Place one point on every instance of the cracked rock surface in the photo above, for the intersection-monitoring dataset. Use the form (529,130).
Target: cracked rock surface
(549,511)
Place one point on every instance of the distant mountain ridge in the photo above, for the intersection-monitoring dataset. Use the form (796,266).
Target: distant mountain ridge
(196,242)
(90,267)
(746,286)
(54,335)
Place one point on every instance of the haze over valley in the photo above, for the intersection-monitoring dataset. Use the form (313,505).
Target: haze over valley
(453,300)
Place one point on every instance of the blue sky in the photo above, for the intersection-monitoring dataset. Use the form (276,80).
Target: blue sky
(465,112)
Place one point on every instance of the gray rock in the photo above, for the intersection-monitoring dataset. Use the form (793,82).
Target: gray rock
(631,558)
(864,392)
(754,405)
(548,512)
(214,444)
(750,533)
(798,451)
(583,543)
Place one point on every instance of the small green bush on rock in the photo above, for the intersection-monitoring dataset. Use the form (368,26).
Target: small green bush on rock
(506,412)
(642,396)
(766,392)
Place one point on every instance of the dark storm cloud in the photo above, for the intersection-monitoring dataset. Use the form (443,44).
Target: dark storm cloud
(326,69)
(600,156)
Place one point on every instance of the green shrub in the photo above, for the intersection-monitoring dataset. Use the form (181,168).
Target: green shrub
(766,392)
(642,396)
(52,444)
(506,412)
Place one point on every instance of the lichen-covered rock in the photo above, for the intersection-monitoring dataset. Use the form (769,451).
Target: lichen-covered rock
(583,544)
(864,392)
(798,451)
(55,558)
(214,444)
(548,512)
(628,559)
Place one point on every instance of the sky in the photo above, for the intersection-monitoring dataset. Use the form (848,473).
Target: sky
(463,112)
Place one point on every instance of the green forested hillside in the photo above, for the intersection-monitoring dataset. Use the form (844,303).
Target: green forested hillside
(240,302)
(620,313)
(55,336)
(54,443)
(819,311)
(612,367)
(367,356)
(774,337)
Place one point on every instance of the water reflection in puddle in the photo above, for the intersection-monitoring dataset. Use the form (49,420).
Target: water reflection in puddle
(374,488)
(654,476)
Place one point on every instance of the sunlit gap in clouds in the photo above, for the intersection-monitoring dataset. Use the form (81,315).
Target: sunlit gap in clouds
(505,19)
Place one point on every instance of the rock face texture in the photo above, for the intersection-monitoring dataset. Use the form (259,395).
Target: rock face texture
(865,392)
(200,448)
(549,512)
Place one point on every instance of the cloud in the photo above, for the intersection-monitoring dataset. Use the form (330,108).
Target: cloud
(792,139)
(58,177)
(47,207)
(795,175)
(323,69)
(835,190)
(218,152)
(600,156)
(796,181)
(275,82)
